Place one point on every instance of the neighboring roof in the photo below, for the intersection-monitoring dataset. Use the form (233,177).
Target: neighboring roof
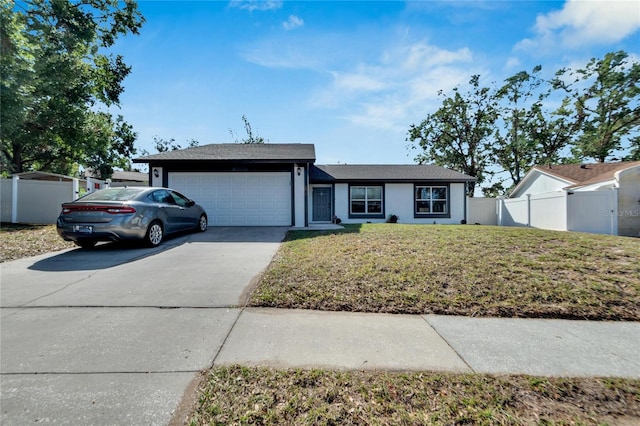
(270,152)
(584,174)
(578,174)
(44,176)
(385,172)
(121,176)
(126,176)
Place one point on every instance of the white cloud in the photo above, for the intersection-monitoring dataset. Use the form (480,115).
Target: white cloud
(292,23)
(512,62)
(391,92)
(581,23)
(357,81)
(277,53)
(252,5)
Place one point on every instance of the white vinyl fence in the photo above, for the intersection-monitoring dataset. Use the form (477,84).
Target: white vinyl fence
(482,211)
(38,201)
(588,211)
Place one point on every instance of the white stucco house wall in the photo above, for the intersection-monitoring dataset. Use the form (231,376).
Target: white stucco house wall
(280,185)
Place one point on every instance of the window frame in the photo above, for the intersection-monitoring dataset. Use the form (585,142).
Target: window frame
(366,215)
(431,185)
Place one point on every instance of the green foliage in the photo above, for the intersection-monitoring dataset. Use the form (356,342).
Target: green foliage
(164,145)
(56,77)
(457,134)
(635,149)
(552,131)
(598,117)
(514,149)
(606,97)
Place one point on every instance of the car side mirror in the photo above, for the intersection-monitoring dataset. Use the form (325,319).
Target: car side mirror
(191,203)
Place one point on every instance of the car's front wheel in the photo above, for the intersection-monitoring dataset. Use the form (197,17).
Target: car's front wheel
(202,223)
(154,234)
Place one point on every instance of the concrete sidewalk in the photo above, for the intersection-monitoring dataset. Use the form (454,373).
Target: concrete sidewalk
(298,338)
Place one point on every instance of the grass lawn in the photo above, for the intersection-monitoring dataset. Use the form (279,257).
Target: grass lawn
(238,395)
(461,270)
(18,241)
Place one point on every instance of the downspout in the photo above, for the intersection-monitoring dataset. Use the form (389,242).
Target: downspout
(307,173)
(466,186)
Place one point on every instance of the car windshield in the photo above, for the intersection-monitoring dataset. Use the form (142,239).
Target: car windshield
(112,194)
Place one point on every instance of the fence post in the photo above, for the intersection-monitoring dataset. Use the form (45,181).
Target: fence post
(499,208)
(14,199)
(566,219)
(75,189)
(613,208)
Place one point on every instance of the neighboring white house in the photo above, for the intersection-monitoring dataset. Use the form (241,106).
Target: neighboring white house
(279,185)
(600,198)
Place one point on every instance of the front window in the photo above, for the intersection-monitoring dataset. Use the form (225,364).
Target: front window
(432,200)
(366,200)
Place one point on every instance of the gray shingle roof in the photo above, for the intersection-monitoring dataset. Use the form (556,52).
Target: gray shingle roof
(238,152)
(385,172)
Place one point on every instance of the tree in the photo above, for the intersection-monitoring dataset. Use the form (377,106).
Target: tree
(515,150)
(606,97)
(57,82)
(634,154)
(163,145)
(455,136)
(552,132)
(250,137)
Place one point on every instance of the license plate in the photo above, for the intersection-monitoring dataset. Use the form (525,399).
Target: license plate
(83,229)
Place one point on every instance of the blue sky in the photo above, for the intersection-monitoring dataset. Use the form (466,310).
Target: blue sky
(349,77)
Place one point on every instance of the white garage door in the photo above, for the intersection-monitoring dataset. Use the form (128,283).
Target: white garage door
(239,199)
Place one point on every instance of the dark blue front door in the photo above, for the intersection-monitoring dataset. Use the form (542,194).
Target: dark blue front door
(322,205)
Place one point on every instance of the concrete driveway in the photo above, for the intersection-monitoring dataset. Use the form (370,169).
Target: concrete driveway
(115,335)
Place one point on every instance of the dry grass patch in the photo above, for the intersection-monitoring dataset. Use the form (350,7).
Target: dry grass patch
(18,241)
(461,270)
(239,395)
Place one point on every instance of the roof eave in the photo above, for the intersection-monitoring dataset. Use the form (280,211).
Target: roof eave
(387,180)
(224,161)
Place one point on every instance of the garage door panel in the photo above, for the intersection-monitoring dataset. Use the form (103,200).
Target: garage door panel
(239,199)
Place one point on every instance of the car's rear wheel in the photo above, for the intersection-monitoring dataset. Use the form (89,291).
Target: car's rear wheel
(154,234)
(202,223)
(86,244)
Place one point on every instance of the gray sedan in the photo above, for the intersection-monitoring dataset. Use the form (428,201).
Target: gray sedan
(130,213)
